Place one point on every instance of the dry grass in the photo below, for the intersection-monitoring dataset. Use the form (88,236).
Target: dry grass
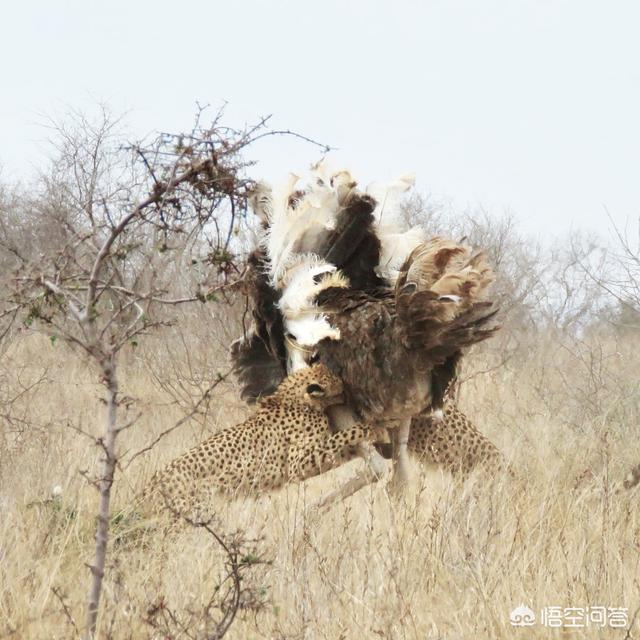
(449,562)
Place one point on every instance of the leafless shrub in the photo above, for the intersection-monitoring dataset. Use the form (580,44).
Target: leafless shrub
(13,397)
(616,270)
(231,592)
(118,236)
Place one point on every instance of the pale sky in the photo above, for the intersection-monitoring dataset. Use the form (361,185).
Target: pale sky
(527,105)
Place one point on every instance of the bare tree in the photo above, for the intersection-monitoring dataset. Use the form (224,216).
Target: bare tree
(616,269)
(119,235)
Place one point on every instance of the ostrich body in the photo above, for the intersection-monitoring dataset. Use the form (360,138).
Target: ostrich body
(386,310)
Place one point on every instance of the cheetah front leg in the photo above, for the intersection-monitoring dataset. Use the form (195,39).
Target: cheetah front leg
(343,419)
(374,469)
(318,458)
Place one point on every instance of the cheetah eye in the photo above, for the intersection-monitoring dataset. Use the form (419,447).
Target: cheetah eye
(315,391)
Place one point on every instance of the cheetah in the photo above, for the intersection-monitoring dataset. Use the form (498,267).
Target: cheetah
(287,439)
(448,439)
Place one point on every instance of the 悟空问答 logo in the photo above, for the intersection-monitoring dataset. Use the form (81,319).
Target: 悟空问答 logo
(522,616)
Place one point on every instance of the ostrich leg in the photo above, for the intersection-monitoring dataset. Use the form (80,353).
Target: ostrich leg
(341,417)
(400,437)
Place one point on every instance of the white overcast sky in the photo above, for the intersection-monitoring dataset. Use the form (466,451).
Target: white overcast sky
(527,105)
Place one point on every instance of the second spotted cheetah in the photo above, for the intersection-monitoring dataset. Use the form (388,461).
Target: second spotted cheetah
(449,440)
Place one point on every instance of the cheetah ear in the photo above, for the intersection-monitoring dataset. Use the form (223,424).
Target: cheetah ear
(315,391)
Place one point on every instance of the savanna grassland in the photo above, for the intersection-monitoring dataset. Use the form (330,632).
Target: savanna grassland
(448,562)
(121,273)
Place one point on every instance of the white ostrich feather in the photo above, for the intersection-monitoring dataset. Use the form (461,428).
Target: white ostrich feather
(321,171)
(396,241)
(317,212)
(296,223)
(296,359)
(395,248)
(282,218)
(342,178)
(388,196)
(304,334)
(261,202)
(300,287)
(304,322)
(295,269)
(295,226)
(309,331)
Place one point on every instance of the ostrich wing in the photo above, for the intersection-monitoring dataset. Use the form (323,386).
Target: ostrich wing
(360,357)
(260,358)
(387,345)
(352,245)
(448,269)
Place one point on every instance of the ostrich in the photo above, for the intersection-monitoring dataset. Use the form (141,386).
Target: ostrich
(337,280)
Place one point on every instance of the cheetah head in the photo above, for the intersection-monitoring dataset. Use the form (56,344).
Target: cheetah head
(315,386)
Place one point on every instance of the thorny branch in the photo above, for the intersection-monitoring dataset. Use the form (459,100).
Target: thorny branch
(196,408)
(129,232)
(239,558)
